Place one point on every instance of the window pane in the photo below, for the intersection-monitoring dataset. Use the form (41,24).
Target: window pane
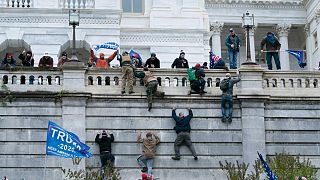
(137,6)
(126,5)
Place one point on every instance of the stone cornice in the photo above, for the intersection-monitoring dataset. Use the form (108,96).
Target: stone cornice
(253,5)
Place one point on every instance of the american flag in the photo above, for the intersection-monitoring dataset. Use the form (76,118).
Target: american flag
(216,58)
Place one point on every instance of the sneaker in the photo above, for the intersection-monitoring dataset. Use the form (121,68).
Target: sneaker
(122,92)
(195,158)
(144,169)
(175,158)
(149,109)
(131,92)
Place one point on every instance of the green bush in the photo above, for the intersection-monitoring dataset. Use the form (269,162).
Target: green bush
(283,165)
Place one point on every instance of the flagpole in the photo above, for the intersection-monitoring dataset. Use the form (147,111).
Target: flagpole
(45,166)
(281,51)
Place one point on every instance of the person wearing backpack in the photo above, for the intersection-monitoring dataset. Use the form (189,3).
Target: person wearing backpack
(226,87)
(196,77)
(272,46)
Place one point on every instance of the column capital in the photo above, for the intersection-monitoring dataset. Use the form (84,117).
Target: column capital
(283,29)
(216,27)
(317,16)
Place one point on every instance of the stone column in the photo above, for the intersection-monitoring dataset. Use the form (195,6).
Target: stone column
(317,54)
(74,100)
(308,53)
(216,28)
(251,41)
(252,100)
(283,31)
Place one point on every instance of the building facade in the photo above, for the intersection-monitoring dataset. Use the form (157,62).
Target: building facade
(164,27)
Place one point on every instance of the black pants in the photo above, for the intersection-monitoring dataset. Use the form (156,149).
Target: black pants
(105,157)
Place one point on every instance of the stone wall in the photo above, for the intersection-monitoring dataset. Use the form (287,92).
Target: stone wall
(273,112)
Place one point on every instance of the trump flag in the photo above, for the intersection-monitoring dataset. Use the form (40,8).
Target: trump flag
(65,144)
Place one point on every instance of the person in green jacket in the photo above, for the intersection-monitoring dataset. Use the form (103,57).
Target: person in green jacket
(183,129)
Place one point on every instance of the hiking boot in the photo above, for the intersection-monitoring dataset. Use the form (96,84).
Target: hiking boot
(131,92)
(224,120)
(144,169)
(175,158)
(122,92)
(195,158)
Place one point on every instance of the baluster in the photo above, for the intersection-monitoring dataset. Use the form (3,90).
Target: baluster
(12,5)
(69,4)
(84,4)
(23,1)
(18,3)
(8,3)
(73,4)
(28,2)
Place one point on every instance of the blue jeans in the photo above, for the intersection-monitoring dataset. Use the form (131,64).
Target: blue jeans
(233,55)
(226,106)
(145,161)
(219,65)
(276,60)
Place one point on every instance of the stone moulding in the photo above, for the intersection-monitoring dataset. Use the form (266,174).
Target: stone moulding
(257,5)
(54,20)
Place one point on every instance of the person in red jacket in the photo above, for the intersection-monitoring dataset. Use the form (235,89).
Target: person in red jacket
(105,63)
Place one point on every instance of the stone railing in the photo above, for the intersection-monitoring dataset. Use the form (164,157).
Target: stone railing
(77,4)
(16,3)
(32,79)
(173,82)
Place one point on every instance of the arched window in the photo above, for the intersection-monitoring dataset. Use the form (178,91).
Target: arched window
(99,81)
(167,81)
(116,81)
(184,81)
(22,80)
(5,79)
(31,80)
(49,80)
(159,80)
(14,80)
(107,81)
(175,81)
(90,80)
(57,78)
(40,80)
(209,82)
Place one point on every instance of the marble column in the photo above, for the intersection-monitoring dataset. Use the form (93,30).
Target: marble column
(283,31)
(310,63)
(216,28)
(251,41)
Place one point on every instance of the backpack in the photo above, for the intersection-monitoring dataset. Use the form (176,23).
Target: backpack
(224,84)
(192,74)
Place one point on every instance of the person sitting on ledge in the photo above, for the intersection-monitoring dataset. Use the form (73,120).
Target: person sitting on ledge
(8,61)
(46,61)
(26,58)
(183,129)
(196,77)
(216,62)
(105,63)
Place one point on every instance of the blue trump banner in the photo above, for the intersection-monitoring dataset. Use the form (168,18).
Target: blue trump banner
(107,45)
(65,144)
(268,170)
(298,54)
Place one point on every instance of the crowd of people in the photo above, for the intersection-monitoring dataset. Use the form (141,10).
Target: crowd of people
(232,42)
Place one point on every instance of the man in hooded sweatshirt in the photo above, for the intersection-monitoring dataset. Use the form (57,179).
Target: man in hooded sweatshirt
(183,129)
(272,46)
(146,159)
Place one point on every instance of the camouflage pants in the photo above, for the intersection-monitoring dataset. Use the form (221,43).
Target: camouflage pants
(127,77)
(152,91)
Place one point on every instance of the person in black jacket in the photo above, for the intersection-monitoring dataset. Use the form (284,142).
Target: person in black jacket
(183,129)
(199,84)
(104,140)
(26,58)
(152,62)
(180,62)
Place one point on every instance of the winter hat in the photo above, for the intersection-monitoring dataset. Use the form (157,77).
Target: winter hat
(228,75)
(197,65)
(231,30)
(153,55)
(181,52)
(8,55)
(144,176)
(29,52)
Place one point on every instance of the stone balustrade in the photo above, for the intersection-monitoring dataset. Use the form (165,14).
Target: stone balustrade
(173,82)
(77,4)
(16,3)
